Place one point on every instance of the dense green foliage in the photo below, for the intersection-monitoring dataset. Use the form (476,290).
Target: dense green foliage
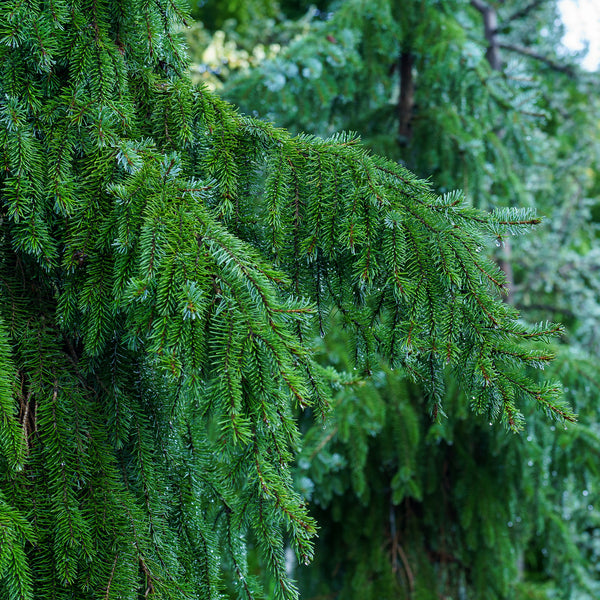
(408,508)
(167,270)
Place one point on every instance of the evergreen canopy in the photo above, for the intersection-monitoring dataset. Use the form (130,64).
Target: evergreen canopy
(165,266)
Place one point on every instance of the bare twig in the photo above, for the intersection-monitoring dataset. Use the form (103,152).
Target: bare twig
(524,11)
(566,69)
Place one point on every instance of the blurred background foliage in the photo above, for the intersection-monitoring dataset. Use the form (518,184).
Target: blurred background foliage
(408,507)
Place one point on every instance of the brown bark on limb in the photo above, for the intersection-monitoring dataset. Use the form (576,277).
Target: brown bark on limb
(490,23)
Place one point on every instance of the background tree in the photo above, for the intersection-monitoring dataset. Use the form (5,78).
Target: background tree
(505,113)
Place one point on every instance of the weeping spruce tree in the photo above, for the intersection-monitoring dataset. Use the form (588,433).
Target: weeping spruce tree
(165,267)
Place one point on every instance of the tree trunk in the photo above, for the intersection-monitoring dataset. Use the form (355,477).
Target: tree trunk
(407,96)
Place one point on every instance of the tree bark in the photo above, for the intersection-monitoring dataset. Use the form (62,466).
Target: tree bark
(490,23)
